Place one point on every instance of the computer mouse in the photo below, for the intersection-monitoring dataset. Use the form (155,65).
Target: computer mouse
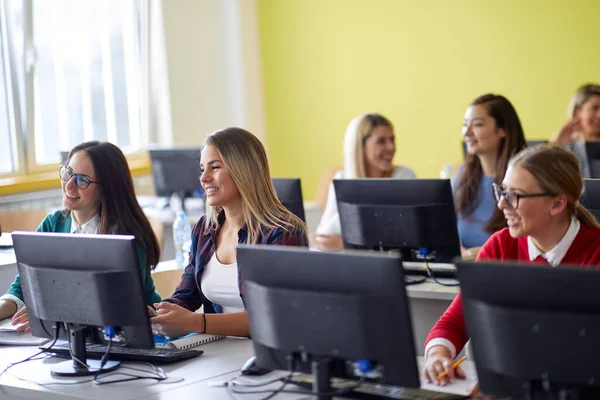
(250,367)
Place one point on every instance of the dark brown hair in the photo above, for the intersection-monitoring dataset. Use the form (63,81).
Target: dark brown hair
(120,212)
(466,195)
(556,170)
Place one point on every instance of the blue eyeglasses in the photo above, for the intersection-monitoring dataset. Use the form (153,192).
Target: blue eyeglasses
(81,181)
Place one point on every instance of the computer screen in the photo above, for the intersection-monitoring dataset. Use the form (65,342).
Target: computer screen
(414,216)
(289,193)
(83,283)
(176,171)
(590,197)
(532,327)
(329,311)
(593,154)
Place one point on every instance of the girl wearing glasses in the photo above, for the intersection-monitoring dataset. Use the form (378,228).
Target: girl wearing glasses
(98,197)
(369,148)
(583,125)
(539,198)
(241,207)
(492,133)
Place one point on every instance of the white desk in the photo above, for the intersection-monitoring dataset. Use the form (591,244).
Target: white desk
(220,358)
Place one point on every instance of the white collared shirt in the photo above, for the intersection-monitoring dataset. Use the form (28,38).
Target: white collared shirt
(556,255)
(91,227)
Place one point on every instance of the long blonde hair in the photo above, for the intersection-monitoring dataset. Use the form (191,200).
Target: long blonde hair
(557,171)
(357,133)
(246,160)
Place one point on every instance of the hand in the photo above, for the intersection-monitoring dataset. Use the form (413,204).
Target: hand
(173,320)
(151,312)
(438,362)
(469,254)
(327,242)
(565,135)
(22,320)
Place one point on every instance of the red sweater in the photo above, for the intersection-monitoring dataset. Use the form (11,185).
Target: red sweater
(585,250)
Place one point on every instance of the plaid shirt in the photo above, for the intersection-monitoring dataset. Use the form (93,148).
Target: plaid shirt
(189,292)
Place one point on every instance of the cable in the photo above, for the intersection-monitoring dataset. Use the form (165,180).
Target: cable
(432,276)
(414,281)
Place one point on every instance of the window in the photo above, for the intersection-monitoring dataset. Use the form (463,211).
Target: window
(81,68)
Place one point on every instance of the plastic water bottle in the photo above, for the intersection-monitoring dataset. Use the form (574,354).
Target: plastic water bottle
(182,238)
(446,172)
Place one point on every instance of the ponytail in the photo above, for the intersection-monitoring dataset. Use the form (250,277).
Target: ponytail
(585,216)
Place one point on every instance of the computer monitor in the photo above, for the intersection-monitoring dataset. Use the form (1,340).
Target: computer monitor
(590,198)
(289,193)
(83,283)
(530,143)
(415,216)
(532,328)
(332,312)
(64,156)
(593,154)
(176,170)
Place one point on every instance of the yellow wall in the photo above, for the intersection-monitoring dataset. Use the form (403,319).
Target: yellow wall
(420,63)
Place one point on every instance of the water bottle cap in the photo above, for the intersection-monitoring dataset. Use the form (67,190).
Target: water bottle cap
(364,365)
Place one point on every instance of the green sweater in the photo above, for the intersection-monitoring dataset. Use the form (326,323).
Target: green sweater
(58,222)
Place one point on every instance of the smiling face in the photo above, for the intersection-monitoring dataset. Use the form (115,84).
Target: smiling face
(533,216)
(83,201)
(480,132)
(379,149)
(589,113)
(216,180)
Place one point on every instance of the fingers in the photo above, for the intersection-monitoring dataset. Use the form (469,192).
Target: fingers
(459,373)
(151,311)
(20,317)
(449,370)
(24,328)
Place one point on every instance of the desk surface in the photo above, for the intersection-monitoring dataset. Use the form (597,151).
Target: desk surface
(220,358)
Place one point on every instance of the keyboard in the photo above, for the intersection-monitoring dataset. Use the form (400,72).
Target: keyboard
(155,355)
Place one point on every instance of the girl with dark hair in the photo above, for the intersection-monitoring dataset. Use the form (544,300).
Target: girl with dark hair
(98,198)
(492,133)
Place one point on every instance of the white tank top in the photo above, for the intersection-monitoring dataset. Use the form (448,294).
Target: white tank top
(219,283)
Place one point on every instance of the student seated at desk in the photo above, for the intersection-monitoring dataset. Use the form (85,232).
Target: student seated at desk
(492,133)
(99,197)
(369,147)
(546,225)
(241,207)
(583,125)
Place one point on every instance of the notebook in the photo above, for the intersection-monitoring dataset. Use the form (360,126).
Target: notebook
(464,387)
(9,336)
(185,342)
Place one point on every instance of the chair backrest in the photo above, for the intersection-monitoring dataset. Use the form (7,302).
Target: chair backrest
(21,220)
(165,282)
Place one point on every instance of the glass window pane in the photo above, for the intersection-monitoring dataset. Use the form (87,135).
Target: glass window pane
(6,162)
(86,83)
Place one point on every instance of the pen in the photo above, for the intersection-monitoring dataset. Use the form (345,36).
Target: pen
(454,366)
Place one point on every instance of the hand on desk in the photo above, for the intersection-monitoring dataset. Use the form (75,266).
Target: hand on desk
(438,364)
(22,320)
(172,320)
(327,242)
(469,254)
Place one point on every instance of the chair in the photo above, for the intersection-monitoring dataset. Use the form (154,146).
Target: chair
(166,281)
(21,220)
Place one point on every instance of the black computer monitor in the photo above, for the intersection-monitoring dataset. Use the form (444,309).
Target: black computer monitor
(289,193)
(328,311)
(593,154)
(590,198)
(530,143)
(176,170)
(80,284)
(415,216)
(532,327)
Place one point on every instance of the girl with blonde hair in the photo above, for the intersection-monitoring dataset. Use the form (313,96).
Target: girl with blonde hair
(241,207)
(369,148)
(547,225)
(583,125)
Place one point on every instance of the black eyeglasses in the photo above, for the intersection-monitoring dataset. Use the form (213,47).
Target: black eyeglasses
(512,198)
(82,181)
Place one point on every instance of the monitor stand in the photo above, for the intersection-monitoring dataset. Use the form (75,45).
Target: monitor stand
(79,365)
